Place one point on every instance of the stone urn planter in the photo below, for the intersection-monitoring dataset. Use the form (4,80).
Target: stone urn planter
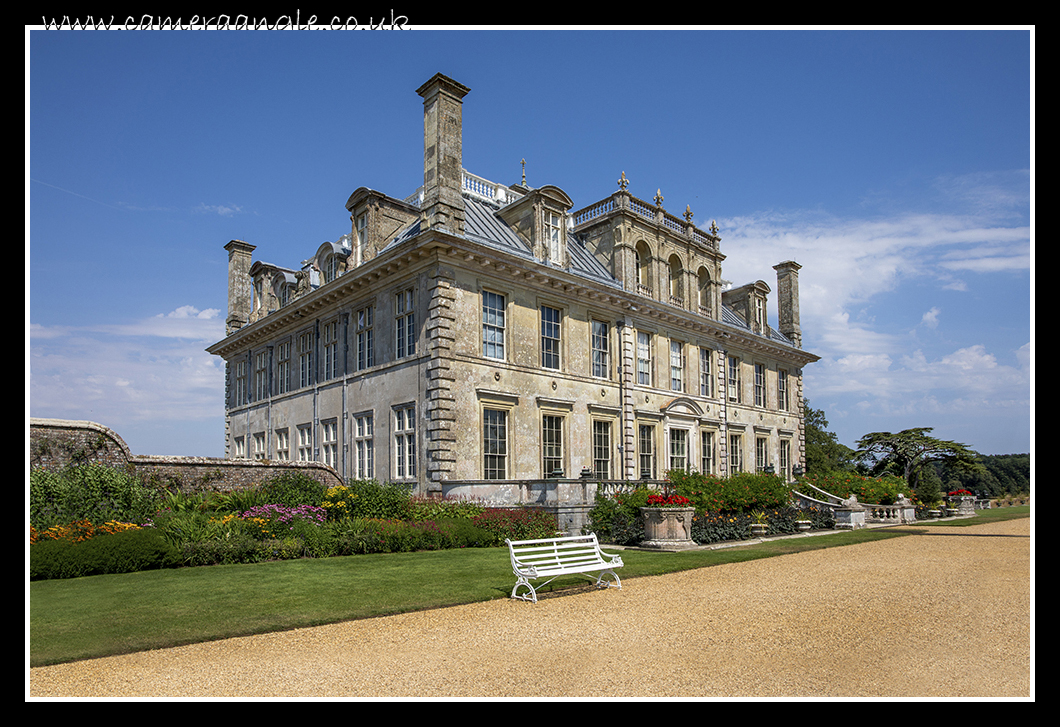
(668,523)
(961,505)
(803,524)
(759,524)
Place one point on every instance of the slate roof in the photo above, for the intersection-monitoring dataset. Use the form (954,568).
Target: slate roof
(483,225)
(731,318)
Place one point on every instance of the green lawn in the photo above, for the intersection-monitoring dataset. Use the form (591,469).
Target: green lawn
(84,618)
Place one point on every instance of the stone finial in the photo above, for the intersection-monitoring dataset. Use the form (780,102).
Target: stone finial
(714,227)
(623,182)
(688,213)
(658,198)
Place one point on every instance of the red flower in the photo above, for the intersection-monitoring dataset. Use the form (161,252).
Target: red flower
(671,501)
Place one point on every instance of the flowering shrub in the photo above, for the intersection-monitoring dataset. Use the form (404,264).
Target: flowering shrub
(292,488)
(741,491)
(723,508)
(79,531)
(715,527)
(91,492)
(875,490)
(127,551)
(367,499)
(337,502)
(434,508)
(617,519)
(517,524)
(960,493)
(284,517)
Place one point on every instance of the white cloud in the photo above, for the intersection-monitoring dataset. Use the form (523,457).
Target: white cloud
(848,262)
(868,376)
(153,369)
(219,209)
(931,318)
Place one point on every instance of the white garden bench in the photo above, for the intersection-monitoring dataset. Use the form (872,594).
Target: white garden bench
(554,557)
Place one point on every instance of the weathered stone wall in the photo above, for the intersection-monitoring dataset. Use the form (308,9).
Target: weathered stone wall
(56,443)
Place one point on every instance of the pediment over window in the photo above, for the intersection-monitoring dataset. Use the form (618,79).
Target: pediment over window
(682,406)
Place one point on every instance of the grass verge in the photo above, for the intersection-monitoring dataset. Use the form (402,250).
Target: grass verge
(84,618)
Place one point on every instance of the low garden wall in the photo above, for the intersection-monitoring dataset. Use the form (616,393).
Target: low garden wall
(57,443)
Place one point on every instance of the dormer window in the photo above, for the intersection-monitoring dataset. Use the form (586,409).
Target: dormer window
(283,287)
(330,261)
(362,236)
(554,237)
(330,268)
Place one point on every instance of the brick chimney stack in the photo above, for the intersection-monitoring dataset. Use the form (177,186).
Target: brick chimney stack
(788,300)
(443,203)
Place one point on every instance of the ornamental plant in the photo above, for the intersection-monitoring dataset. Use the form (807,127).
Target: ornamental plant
(883,490)
(668,501)
(121,552)
(959,493)
(617,519)
(293,488)
(422,509)
(517,523)
(742,491)
(285,516)
(367,499)
(91,492)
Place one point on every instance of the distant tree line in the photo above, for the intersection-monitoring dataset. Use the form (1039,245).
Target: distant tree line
(931,466)
(1002,474)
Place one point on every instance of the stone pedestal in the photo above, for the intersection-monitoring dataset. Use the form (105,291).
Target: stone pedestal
(667,528)
(850,515)
(962,505)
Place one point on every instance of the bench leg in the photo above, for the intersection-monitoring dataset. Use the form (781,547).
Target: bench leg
(601,581)
(523,582)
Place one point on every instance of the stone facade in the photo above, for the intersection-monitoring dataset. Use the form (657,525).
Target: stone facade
(492,340)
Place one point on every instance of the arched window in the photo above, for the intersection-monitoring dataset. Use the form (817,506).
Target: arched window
(676,276)
(643,267)
(704,291)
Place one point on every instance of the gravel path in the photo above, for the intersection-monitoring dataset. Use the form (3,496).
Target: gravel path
(944,614)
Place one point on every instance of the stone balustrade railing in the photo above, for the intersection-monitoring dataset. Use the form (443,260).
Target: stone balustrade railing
(623,200)
(476,186)
(902,512)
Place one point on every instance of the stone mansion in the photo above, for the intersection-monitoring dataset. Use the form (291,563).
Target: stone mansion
(474,336)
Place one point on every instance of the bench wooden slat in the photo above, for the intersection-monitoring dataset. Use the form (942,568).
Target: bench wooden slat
(553,557)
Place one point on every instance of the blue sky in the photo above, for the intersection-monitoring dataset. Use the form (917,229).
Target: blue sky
(894,165)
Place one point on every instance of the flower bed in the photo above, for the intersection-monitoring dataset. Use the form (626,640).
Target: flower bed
(723,508)
(291,517)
